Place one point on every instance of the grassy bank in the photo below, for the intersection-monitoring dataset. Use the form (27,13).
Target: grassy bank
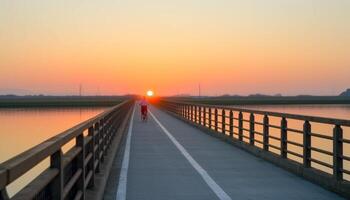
(266,100)
(59,101)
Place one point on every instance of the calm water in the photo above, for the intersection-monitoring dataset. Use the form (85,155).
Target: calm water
(21,129)
(333,111)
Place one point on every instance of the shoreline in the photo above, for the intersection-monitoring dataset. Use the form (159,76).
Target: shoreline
(267,100)
(59,101)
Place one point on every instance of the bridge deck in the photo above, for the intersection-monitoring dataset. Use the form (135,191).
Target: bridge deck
(199,167)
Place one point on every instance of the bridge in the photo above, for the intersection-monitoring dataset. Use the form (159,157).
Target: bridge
(186,151)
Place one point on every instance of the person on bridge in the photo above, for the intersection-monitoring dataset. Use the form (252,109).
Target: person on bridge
(143,104)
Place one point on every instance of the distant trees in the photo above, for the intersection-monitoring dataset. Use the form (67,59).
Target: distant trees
(345,93)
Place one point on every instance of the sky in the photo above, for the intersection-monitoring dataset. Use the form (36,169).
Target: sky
(130,46)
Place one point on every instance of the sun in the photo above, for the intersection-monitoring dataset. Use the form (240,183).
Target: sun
(149,93)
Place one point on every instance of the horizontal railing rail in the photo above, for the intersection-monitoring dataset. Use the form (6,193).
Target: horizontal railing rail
(69,174)
(325,120)
(234,124)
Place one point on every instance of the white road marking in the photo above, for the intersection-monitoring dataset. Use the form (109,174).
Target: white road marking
(220,193)
(123,178)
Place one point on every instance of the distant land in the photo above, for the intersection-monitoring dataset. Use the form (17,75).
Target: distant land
(266,100)
(13,101)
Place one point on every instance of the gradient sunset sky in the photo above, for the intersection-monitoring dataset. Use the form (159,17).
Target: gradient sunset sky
(129,46)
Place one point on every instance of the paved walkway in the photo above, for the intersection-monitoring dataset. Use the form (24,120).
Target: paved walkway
(169,159)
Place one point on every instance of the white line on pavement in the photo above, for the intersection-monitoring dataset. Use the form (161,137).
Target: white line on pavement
(220,193)
(123,178)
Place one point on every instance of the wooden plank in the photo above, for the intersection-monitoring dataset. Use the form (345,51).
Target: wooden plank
(71,182)
(56,186)
(37,185)
(79,195)
(70,155)
(87,139)
(81,164)
(88,158)
(3,178)
(20,164)
(88,178)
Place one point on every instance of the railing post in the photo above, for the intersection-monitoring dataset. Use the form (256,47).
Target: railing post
(240,126)
(307,144)
(102,137)
(182,111)
(97,146)
(204,116)
(223,121)
(56,161)
(199,115)
(210,124)
(195,114)
(266,133)
(216,119)
(172,109)
(191,113)
(337,152)
(81,164)
(231,123)
(251,129)
(284,137)
(188,112)
(91,164)
(184,114)
(108,130)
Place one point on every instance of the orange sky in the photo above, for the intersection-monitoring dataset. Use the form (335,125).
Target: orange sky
(228,46)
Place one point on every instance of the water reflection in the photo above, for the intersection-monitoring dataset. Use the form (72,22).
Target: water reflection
(21,129)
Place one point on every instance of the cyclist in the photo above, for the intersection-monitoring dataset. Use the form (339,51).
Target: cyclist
(143,104)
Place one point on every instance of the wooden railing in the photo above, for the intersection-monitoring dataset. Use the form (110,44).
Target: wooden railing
(234,124)
(70,174)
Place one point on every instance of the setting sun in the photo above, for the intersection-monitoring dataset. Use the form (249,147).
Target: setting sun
(149,93)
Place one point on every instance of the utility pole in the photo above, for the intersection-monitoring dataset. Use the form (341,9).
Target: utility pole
(199,90)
